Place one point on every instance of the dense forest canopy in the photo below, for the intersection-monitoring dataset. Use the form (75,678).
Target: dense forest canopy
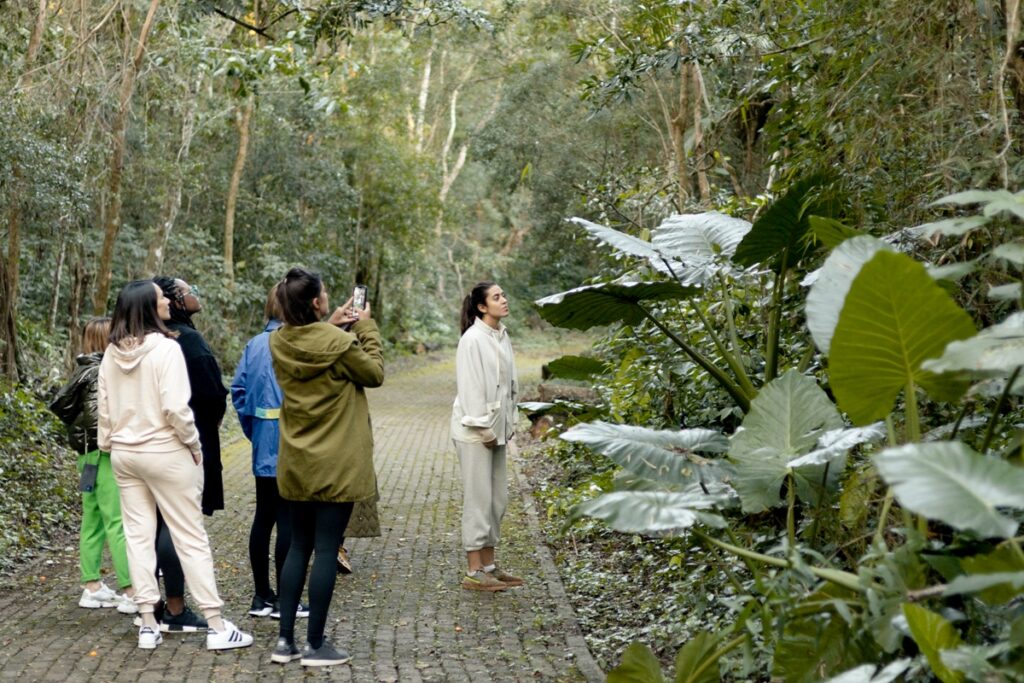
(416,146)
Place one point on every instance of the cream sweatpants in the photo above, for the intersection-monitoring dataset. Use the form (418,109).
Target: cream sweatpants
(484,493)
(173,482)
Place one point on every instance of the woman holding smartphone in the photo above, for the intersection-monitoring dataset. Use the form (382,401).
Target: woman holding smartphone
(483,421)
(325,461)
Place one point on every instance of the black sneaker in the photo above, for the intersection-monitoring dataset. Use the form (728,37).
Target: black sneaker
(302,611)
(285,652)
(325,655)
(262,607)
(187,621)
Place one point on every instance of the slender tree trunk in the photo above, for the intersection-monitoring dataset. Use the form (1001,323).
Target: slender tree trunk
(172,203)
(112,223)
(51,321)
(699,153)
(421,103)
(79,285)
(242,120)
(8,333)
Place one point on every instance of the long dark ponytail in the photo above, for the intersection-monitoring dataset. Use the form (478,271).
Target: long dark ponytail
(295,294)
(470,305)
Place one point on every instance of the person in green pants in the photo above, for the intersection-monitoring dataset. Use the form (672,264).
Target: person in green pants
(75,405)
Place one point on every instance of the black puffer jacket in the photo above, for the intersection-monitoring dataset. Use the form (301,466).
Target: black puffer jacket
(75,403)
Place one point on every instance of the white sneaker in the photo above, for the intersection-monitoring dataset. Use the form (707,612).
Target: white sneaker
(149,638)
(96,599)
(227,639)
(126,604)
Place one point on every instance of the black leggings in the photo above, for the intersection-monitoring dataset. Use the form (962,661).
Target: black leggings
(167,561)
(316,527)
(271,511)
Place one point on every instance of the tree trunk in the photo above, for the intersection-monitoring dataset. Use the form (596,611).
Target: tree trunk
(51,321)
(699,153)
(172,203)
(8,333)
(79,285)
(242,119)
(112,222)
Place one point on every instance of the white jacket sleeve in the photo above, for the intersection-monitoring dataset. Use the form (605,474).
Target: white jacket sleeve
(175,393)
(471,381)
(102,411)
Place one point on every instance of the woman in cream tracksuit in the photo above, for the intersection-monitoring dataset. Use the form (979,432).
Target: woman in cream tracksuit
(146,425)
(483,420)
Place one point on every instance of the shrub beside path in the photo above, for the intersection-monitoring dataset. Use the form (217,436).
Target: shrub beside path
(402,615)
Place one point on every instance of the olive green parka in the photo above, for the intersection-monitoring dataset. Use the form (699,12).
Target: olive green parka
(326,451)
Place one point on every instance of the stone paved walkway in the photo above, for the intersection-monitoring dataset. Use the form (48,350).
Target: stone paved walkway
(402,614)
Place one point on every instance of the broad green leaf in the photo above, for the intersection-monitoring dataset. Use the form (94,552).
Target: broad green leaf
(636,512)
(951,226)
(660,455)
(785,421)
(1010,292)
(952,271)
(696,661)
(995,351)
(604,304)
(627,244)
(830,232)
(838,442)
(950,482)
(865,673)
(638,665)
(782,226)
(974,197)
(972,661)
(832,283)
(895,317)
(1003,560)
(933,634)
(575,367)
(703,242)
(978,583)
(1012,252)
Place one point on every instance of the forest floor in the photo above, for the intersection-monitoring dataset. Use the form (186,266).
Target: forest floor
(402,614)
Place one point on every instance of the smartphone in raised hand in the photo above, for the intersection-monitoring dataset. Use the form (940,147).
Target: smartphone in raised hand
(359,298)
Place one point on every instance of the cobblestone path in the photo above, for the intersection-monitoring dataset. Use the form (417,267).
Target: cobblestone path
(402,614)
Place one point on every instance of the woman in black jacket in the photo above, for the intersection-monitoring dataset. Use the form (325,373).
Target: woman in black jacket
(75,405)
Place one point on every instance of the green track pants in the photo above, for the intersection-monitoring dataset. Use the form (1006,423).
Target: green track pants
(101,523)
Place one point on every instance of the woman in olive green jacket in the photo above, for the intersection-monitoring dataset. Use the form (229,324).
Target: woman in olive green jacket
(325,462)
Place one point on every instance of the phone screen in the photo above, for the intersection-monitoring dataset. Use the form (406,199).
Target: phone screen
(359,297)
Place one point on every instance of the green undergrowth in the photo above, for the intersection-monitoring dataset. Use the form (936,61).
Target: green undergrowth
(37,475)
(625,588)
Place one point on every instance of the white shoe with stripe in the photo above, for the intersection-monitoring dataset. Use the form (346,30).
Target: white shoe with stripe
(227,639)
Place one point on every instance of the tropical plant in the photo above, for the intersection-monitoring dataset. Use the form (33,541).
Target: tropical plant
(898,348)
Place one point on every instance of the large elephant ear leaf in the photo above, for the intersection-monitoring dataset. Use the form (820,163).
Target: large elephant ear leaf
(607,303)
(894,318)
(832,284)
(703,242)
(933,634)
(785,421)
(664,456)
(782,226)
(575,367)
(658,512)
(949,482)
(994,352)
(627,244)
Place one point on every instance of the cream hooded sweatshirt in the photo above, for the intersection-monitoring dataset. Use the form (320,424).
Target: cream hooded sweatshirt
(142,398)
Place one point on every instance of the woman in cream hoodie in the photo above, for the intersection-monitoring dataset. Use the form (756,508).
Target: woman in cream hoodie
(483,420)
(148,429)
